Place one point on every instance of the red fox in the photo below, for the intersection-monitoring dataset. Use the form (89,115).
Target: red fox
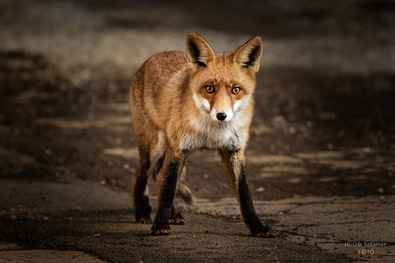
(180,102)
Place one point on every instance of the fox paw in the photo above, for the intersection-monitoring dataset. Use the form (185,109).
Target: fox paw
(144,220)
(177,219)
(160,230)
(143,216)
(264,231)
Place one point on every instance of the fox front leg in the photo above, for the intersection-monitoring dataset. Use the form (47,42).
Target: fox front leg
(234,165)
(167,184)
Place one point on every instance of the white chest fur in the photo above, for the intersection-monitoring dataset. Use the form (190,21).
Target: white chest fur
(213,135)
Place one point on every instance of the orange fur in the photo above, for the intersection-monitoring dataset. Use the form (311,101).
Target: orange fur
(186,101)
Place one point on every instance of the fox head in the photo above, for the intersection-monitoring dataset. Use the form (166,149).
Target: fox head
(222,83)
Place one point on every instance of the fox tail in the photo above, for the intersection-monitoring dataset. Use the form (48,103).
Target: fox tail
(184,192)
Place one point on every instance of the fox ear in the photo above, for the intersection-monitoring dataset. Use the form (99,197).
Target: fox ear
(199,51)
(248,56)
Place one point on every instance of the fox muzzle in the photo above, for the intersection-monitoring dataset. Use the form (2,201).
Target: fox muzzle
(221,116)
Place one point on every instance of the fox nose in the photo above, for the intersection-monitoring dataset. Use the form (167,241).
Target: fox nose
(221,116)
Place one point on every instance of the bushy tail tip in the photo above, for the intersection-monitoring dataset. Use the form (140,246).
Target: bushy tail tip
(184,193)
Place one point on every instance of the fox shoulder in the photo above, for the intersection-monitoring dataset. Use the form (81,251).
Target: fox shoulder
(155,73)
(161,66)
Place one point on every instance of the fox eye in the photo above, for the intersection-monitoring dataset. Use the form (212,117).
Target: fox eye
(236,90)
(209,89)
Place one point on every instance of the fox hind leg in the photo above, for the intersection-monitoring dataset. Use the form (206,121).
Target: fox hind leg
(140,192)
(151,156)
(184,193)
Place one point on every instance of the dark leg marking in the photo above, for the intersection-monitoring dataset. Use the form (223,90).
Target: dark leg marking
(167,184)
